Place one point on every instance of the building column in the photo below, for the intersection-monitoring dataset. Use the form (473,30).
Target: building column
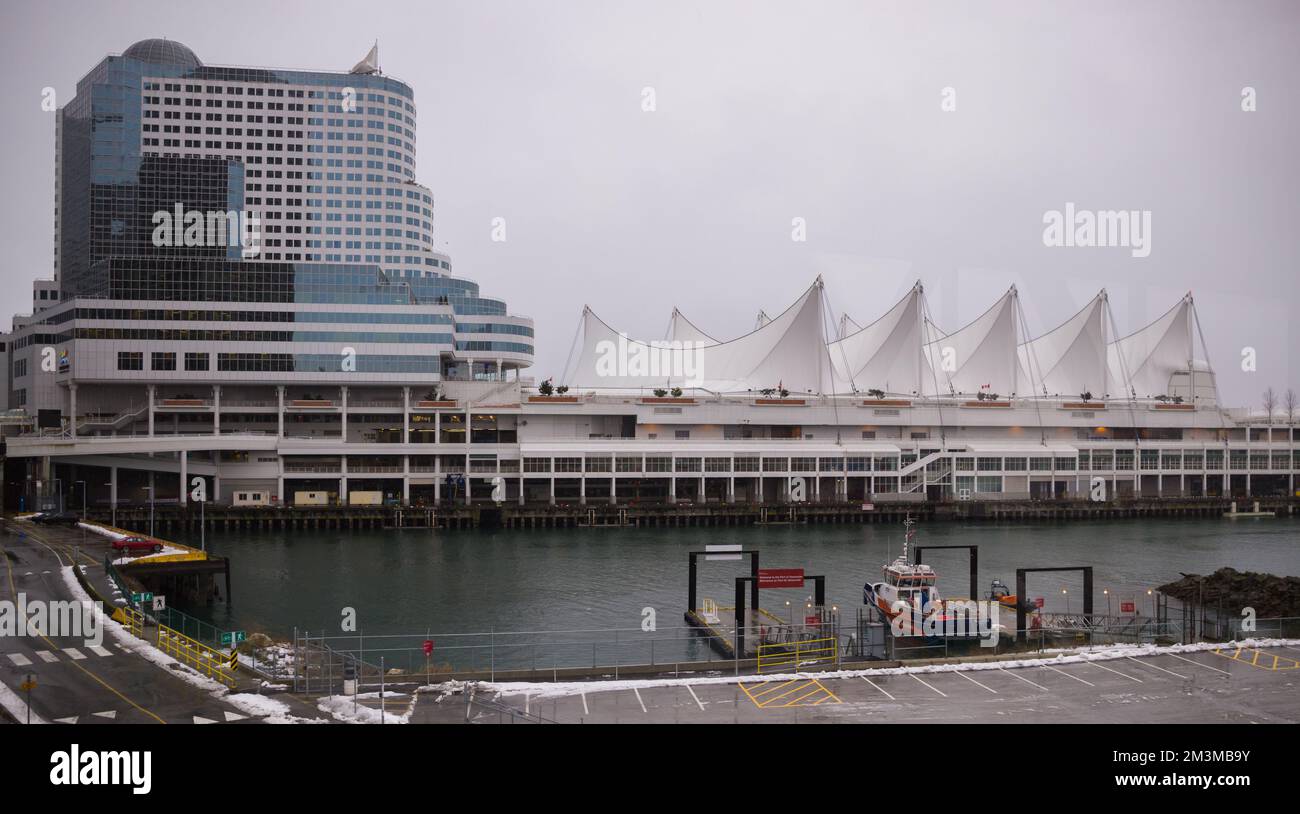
(582,489)
(406,415)
(731,489)
(149,390)
(112,488)
(343,414)
(468,500)
(437,428)
(521,489)
(216,488)
(672,487)
(406,478)
(613,489)
(183,494)
(702,496)
(216,409)
(279,395)
(343,480)
(552,495)
(72,409)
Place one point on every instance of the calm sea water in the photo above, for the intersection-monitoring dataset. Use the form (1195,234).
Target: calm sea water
(414,581)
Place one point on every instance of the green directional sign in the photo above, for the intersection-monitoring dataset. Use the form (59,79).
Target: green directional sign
(146,597)
(233,637)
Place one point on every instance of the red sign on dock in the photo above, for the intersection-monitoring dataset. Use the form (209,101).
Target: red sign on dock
(1127,607)
(780,578)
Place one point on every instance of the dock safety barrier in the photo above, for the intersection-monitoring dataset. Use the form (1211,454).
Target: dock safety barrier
(796,654)
(207,660)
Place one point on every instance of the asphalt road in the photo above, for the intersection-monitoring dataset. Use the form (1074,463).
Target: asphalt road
(76,682)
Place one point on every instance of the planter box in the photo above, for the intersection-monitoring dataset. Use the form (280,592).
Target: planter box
(553,399)
(426,404)
(667,400)
(311,403)
(1175,406)
(887,403)
(183,403)
(986,404)
(779,402)
(1083,405)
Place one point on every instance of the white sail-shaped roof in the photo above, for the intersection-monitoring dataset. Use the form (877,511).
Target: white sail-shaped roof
(885,355)
(789,351)
(1148,358)
(847,326)
(981,356)
(761,320)
(681,329)
(1070,359)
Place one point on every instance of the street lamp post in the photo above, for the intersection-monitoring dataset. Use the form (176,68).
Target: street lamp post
(1066,594)
(1106,591)
(150,490)
(112,501)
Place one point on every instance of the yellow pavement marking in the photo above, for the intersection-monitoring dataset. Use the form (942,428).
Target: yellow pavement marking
(1271,661)
(804,693)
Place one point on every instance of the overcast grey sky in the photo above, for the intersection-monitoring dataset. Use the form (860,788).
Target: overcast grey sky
(768,111)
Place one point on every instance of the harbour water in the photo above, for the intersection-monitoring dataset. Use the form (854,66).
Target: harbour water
(600,579)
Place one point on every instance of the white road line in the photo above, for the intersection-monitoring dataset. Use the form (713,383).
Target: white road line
(638,699)
(1022,678)
(1198,664)
(199,720)
(1067,675)
(527,698)
(872,683)
(99,651)
(234,716)
(976,683)
(696,697)
(47,656)
(585,711)
(76,654)
(71,720)
(1116,672)
(112,713)
(19,659)
(936,689)
(1156,667)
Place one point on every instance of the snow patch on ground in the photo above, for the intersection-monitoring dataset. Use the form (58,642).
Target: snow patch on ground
(1107,653)
(345,708)
(16,706)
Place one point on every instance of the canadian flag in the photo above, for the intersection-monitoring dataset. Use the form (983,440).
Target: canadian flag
(985,386)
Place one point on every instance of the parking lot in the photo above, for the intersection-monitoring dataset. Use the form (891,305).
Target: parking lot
(1231,686)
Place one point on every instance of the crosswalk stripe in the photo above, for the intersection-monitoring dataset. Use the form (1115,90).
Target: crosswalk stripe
(108,713)
(199,720)
(71,720)
(99,651)
(234,716)
(19,659)
(47,656)
(76,654)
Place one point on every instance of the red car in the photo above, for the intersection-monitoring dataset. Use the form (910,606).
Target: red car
(137,545)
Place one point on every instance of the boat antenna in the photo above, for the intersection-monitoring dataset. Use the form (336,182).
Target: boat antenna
(908,524)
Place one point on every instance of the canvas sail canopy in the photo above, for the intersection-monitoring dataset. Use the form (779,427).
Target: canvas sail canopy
(885,355)
(1070,359)
(681,329)
(981,357)
(789,351)
(1148,359)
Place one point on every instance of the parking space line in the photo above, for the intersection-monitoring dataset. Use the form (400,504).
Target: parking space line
(1157,667)
(976,683)
(1198,664)
(872,683)
(1116,672)
(1067,675)
(585,710)
(936,689)
(639,701)
(770,699)
(698,703)
(1022,678)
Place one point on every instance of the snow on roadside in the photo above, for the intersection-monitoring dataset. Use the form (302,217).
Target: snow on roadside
(1107,653)
(98,529)
(16,706)
(345,708)
(254,705)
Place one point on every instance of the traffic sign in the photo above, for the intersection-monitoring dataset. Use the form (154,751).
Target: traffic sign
(1127,607)
(1038,602)
(428,647)
(159,603)
(233,637)
(28,685)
